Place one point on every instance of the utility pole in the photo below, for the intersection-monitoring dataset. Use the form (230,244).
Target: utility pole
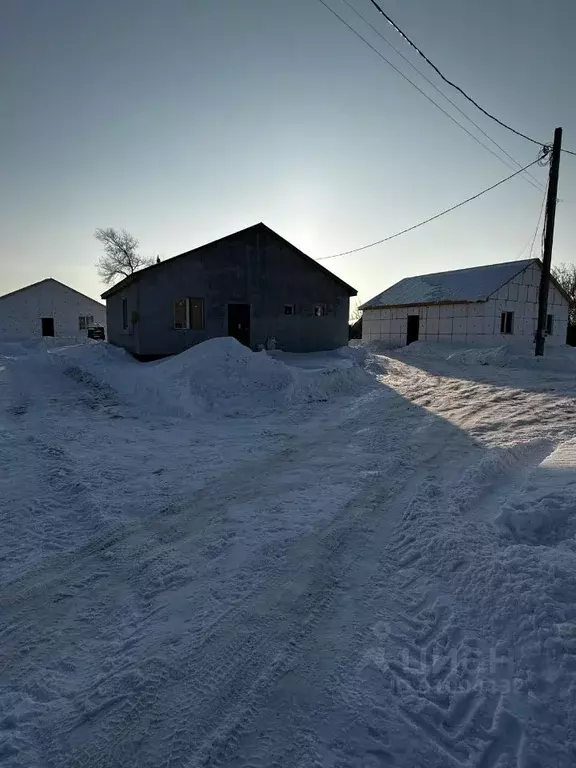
(548,241)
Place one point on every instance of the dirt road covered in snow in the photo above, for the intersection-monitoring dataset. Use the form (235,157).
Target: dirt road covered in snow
(350,563)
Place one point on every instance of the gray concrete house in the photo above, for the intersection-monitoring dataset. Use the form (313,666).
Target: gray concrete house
(252,285)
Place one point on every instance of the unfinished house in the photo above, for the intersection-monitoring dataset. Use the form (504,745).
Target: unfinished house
(481,305)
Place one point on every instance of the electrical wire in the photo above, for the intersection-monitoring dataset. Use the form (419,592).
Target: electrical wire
(405,77)
(528,176)
(453,85)
(432,218)
(449,82)
(538,224)
(532,241)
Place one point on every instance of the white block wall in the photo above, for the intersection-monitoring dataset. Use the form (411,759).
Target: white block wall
(21,312)
(477,323)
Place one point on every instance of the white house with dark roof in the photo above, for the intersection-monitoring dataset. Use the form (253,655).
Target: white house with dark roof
(481,305)
(48,308)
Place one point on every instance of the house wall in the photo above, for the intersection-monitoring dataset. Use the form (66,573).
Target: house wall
(477,323)
(116,333)
(280,276)
(21,312)
(257,269)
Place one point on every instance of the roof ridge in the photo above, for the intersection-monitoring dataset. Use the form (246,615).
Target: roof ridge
(468,269)
(457,286)
(50,280)
(259,225)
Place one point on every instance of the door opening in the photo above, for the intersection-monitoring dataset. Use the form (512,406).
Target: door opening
(239,322)
(47,326)
(413,330)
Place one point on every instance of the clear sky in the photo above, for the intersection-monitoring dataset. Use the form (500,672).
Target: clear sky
(185,120)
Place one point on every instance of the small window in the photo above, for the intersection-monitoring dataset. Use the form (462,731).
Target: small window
(289,309)
(125,314)
(549,325)
(189,314)
(196,314)
(82,323)
(319,310)
(507,322)
(181,314)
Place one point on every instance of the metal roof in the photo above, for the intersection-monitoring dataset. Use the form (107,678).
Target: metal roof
(459,286)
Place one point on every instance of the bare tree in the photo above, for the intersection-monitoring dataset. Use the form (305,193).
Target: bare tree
(355,320)
(355,311)
(120,258)
(565,274)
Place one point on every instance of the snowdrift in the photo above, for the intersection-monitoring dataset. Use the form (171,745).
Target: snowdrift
(561,359)
(223,374)
(545,512)
(220,375)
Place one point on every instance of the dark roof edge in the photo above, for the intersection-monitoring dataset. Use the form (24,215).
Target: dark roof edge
(136,276)
(51,280)
(364,308)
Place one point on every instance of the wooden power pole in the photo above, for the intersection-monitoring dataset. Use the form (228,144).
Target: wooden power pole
(548,241)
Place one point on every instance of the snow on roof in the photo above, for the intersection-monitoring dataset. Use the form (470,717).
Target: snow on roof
(460,285)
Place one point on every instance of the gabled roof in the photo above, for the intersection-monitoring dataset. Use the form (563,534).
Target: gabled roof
(459,286)
(198,252)
(51,280)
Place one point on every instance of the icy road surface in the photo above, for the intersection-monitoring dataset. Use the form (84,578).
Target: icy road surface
(379,573)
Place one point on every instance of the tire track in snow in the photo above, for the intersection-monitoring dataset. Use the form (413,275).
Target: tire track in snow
(365,540)
(449,701)
(429,665)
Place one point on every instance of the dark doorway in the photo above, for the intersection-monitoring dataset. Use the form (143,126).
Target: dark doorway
(413,328)
(47,326)
(239,322)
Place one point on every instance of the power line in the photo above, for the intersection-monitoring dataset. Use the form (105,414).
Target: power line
(528,176)
(533,237)
(446,80)
(432,218)
(405,77)
(538,223)
(457,87)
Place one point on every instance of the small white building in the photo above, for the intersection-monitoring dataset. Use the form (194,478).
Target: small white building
(482,305)
(48,308)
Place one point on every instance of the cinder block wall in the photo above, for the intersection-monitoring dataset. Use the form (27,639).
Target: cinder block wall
(477,323)
(21,313)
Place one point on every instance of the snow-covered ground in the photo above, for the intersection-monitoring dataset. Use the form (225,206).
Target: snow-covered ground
(238,559)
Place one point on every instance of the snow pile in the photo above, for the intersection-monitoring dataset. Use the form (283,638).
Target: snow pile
(545,512)
(556,358)
(224,375)
(220,376)
(322,376)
